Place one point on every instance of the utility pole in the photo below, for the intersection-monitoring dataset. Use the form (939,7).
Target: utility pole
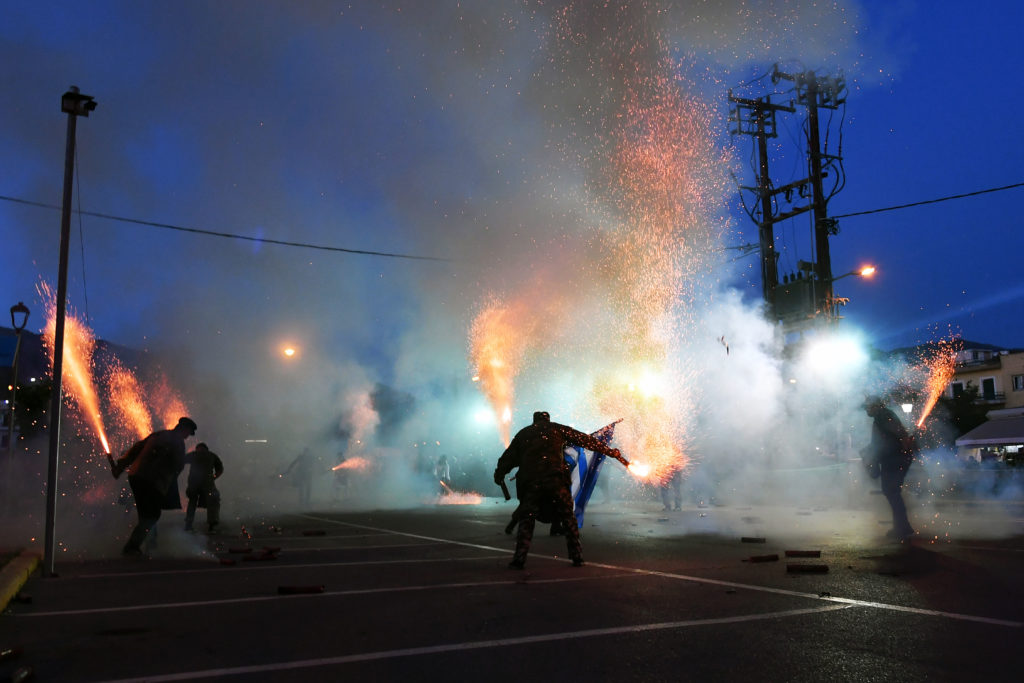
(757,119)
(74,105)
(816,92)
(808,296)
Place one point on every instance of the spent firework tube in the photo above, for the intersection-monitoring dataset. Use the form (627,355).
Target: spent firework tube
(620,458)
(115,469)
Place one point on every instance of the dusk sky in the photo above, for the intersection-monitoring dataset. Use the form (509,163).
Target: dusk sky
(468,144)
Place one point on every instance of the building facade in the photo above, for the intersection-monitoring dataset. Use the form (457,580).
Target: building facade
(998,375)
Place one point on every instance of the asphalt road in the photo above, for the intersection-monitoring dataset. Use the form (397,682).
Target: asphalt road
(425,595)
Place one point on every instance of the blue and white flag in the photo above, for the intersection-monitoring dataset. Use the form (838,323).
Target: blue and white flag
(587,469)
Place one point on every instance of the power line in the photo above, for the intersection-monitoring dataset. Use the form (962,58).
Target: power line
(930,201)
(198,231)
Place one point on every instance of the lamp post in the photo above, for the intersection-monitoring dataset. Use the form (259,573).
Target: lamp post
(19,318)
(833,302)
(74,104)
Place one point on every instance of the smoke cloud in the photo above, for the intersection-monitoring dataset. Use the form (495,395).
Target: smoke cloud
(561,168)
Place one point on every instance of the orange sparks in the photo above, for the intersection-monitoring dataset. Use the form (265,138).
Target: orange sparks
(496,348)
(77,366)
(126,399)
(352,464)
(461,499)
(941,367)
(167,404)
(639,470)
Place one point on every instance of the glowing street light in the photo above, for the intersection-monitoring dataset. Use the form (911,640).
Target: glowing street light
(834,302)
(866,271)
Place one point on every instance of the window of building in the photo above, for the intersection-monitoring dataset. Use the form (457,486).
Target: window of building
(957,388)
(1018,382)
(988,388)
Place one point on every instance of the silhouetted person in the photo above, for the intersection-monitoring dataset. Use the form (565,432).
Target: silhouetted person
(340,477)
(543,481)
(205,467)
(301,470)
(888,456)
(443,474)
(671,492)
(153,466)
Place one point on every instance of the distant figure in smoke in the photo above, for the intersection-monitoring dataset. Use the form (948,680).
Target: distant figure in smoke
(301,470)
(443,474)
(340,477)
(889,456)
(153,466)
(543,481)
(671,492)
(205,467)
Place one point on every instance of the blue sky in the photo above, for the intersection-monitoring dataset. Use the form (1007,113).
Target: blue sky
(426,131)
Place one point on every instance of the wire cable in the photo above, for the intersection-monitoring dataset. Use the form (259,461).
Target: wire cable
(930,201)
(212,233)
(81,238)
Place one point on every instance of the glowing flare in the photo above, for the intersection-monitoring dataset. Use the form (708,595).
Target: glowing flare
(357,463)
(640,470)
(496,347)
(941,368)
(77,366)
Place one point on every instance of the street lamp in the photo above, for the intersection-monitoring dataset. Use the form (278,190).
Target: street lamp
(835,302)
(19,318)
(864,271)
(74,104)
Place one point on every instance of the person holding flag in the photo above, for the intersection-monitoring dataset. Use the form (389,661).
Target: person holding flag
(544,480)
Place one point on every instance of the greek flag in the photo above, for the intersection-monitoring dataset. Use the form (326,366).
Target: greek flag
(587,469)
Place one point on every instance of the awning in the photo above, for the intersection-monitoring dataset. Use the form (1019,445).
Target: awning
(1003,432)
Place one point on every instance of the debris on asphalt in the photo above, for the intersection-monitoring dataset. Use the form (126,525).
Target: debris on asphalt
(763,558)
(803,553)
(10,653)
(314,532)
(805,568)
(261,556)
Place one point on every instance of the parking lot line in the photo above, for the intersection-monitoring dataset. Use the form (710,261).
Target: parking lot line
(325,594)
(753,587)
(477,645)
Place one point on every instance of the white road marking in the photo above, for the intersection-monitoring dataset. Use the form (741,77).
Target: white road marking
(624,571)
(732,584)
(265,598)
(244,566)
(475,645)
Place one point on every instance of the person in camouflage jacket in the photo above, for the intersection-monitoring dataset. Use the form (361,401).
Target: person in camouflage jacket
(544,482)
